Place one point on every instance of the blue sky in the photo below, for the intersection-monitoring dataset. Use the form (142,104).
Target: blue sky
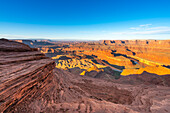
(85,19)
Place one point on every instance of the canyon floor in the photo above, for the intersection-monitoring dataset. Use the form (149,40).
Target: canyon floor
(85,77)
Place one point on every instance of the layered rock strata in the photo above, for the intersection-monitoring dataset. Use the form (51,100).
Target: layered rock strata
(22,71)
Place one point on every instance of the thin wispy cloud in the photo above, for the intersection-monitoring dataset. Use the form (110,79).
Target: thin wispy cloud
(146,29)
(135,28)
(140,27)
(145,25)
(18,36)
(10,36)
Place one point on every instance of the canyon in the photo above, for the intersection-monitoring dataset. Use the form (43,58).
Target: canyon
(124,57)
(86,77)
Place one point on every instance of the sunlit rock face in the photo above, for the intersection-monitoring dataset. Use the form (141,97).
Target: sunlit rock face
(136,56)
(154,54)
(124,57)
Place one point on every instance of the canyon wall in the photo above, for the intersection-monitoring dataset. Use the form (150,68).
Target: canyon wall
(164,43)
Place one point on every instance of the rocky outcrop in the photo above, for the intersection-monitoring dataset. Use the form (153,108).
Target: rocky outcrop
(6,45)
(22,71)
